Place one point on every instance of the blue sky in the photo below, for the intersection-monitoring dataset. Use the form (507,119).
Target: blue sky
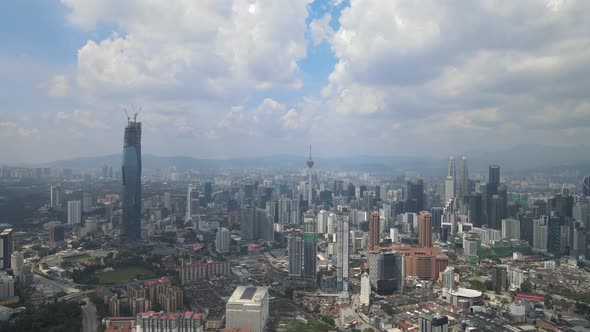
(234,78)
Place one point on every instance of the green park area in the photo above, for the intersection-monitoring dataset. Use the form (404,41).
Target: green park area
(123,275)
(79,259)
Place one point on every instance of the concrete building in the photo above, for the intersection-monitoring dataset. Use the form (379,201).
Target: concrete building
(55,196)
(74,212)
(470,246)
(342,254)
(540,234)
(295,254)
(374,231)
(247,308)
(448,279)
(6,286)
(56,236)
(222,240)
(152,321)
(424,263)
(511,229)
(365,297)
(86,201)
(203,270)
(6,248)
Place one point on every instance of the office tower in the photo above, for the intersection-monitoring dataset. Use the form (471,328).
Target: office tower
(365,297)
(470,245)
(55,196)
(540,233)
(56,236)
(526,228)
(17,261)
(192,201)
(436,217)
(430,323)
(247,308)
(499,278)
(208,191)
(495,212)
(132,181)
(475,209)
(247,222)
(554,238)
(342,254)
(74,212)
(511,229)
(579,240)
(222,240)
(6,247)
(581,212)
(450,181)
(310,164)
(448,279)
(425,230)
(414,196)
(494,174)
(323,222)
(295,252)
(464,185)
(374,233)
(86,201)
(386,272)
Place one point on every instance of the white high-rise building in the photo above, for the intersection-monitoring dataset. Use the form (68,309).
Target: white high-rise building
(394,235)
(511,229)
(55,199)
(342,253)
(331,223)
(247,308)
(74,212)
(323,222)
(448,279)
(17,261)
(222,240)
(540,233)
(365,297)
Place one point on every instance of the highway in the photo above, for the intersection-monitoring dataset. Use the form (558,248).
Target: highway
(89,318)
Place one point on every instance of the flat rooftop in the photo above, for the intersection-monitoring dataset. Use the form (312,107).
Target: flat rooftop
(248,294)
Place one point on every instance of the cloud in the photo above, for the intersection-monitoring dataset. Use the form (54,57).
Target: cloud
(12,129)
(321,30)
(58,86)
(82,118)
(203,50)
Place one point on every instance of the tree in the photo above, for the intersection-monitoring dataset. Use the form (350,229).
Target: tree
(387,309)
(526,286)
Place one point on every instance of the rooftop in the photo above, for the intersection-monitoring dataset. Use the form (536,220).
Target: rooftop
(248,294)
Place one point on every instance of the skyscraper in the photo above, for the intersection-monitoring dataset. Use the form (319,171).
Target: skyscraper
(86,201)
(374,233)
(310,164)
(55,199)
(586,186)
(494,174)
(56,236)
(386,271)
(74,212)
(309,247)
(429,323)
(425,230)
(342,253)
(192,201)
(131,171)
(464,186)
(295,253)
(450,184)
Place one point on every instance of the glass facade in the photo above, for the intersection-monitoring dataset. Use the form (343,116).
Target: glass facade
(131,229)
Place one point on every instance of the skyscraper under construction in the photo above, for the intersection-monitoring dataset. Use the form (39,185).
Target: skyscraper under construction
(131,228)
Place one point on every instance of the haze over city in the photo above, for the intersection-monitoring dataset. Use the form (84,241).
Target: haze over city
(294,166)
(227,79)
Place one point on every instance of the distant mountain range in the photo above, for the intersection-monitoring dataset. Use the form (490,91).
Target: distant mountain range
(516,159)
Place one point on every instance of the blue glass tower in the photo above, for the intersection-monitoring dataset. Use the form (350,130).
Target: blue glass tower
(131,230)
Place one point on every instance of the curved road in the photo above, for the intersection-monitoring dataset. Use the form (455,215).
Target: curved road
(89,319)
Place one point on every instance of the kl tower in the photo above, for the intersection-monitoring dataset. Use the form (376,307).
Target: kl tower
(310,164)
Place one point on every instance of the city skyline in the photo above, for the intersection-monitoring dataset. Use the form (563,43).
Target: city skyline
(70,73)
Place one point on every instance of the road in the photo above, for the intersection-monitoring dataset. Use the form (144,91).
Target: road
(57,285)
(89,318)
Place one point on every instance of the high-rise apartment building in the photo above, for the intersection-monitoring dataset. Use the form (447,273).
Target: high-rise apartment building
(309,247)
(448,279)
(295,253)
(55,196)
(511,229)
(222,240)
(74,212)
(56,236)
(365,297)
(17,262)
(425,230)
(86,201)
(131,171)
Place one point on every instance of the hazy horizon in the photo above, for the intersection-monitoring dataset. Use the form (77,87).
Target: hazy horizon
(233,79)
